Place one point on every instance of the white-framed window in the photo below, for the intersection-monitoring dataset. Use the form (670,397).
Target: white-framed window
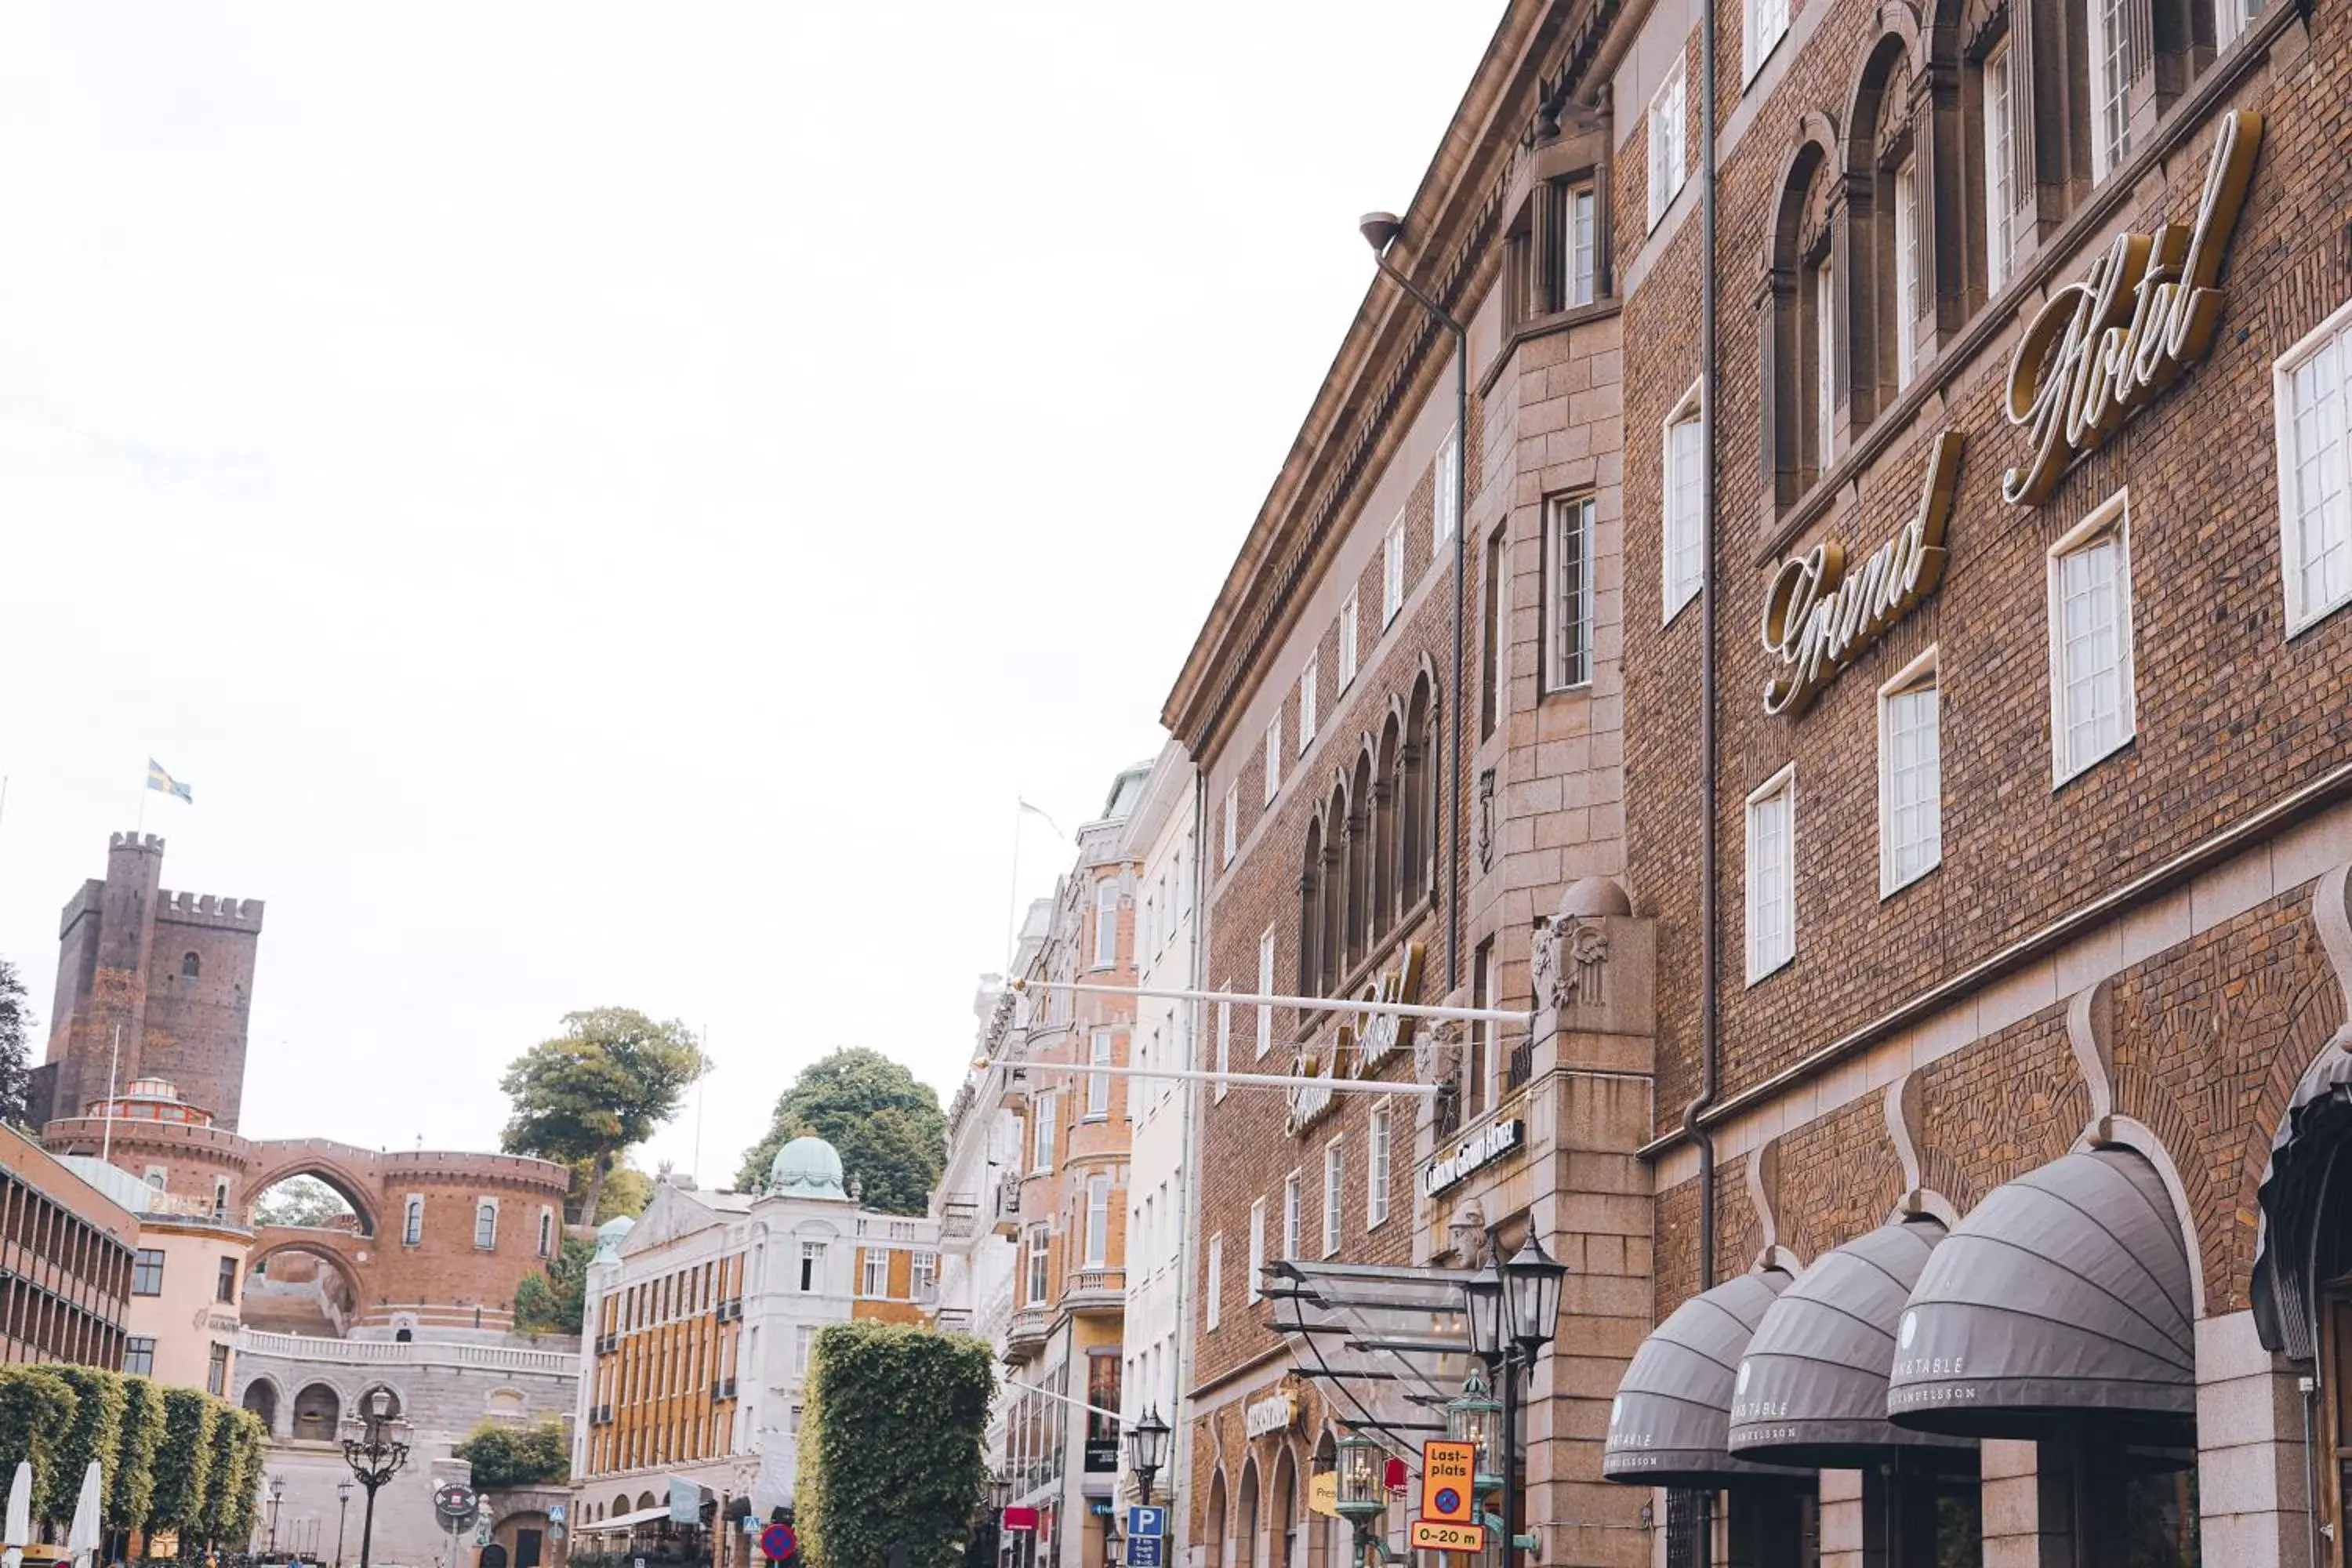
(873,1275)
(1098,1221)
(1910,777)
(1098,1051)
(1266,988)
(1041,1242)
(1254,1289)
(547,1232)
(1824,358)
(1106,923)
(801,1344)
(1041,1135)
(2092,712)
(1441,520)
(1567,592)
(486,1222)
(1335,1176)
(1376,1168)
(412,1221)
(1906,267)
(1273,759)
(811,1267)
(1666,142)
(2000,142)
(1214,1288)
(1392,572)
(1772,875)
(1225,1045)
(1684,445)
(2315,440)
(1763,23)
(1583,244)
(2230,17)
(1290,1202)
(1233,821)
(2110,86)
(1348,622)
(1309,679)
(923,1275)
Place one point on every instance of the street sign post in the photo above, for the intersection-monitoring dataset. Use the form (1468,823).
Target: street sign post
(1436,1535)
(1447,1496)
(1147,1521)
(1143,1551)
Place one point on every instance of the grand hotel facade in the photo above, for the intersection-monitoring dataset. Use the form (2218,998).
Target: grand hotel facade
(1897,752)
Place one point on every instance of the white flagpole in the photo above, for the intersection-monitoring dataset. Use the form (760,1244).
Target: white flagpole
(113,1063)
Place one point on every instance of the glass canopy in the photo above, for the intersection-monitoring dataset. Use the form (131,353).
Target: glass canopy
(1389,1346)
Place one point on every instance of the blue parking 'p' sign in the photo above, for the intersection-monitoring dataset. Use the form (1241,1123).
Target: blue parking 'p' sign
(1144,1520)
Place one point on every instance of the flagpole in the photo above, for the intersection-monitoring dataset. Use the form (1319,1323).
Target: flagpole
(1013,915)
(113,1066)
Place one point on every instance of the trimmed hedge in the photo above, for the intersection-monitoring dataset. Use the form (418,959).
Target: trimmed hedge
(505,1456)
(890,1444)
(172,1458)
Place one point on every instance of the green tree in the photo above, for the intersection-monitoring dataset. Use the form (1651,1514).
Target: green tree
(628,1191)
(184,1461)
(232,1479)
(604,1083)
(890,1444)
(38,1408)
(552,1300)
(886,1123)
(15,1059)
(131,1489)
(94,1433)
(300,1200)
(505,1456)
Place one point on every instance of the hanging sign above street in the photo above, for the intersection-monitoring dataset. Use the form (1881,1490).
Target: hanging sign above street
(1350,1054)
(1020,1519)
(2143,312)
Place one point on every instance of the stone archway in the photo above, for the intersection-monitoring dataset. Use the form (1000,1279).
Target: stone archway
(349,1171)
(261,1398)
(318,1413)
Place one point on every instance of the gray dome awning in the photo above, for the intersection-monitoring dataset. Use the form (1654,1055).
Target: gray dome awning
(2319,1116)
(2065,1291)
(1813,1388)
(1667,1426)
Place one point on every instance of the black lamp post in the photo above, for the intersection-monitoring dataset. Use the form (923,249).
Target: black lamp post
(342,1512)
(1513,1312)
(276,1496)
(375,1457)
(1147,1450)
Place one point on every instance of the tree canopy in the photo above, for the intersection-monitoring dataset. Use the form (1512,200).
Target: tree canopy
(554,1299)
(604,1083)
(505,1456)
(885,1123)
(891,1447)
(16,1058)
(301,1200)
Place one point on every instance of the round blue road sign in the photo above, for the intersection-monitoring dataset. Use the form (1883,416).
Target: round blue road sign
(1448,1500)
(778,1541)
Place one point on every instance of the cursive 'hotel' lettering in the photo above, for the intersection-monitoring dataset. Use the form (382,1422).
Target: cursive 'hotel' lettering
(1817,617)
(2145,312)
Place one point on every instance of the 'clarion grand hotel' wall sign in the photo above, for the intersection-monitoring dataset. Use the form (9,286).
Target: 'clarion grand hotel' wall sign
(2098,348)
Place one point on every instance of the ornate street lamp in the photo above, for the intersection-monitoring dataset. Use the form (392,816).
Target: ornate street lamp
(375,1457)
(276,1496)
(1513,1312)
(343,1513)
(1472,1417)
(1362,1498)
(1482,1304)
(1531,1284)
(1147,1450)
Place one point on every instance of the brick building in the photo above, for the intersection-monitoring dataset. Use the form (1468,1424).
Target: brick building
(65,1251)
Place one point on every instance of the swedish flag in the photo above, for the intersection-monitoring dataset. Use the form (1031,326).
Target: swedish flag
(158,779)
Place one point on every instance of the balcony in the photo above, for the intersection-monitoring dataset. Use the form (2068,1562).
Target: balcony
(960,1216)
(1005,1215)
(952,1320)
(1090,1287)
(1027,1330)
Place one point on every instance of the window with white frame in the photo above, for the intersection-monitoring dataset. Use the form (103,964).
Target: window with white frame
(1763,23)
(1224,1044)
(486,1222)
(923,1275)
(1348,632)
(2092,712)
(2314,437)
(1392,572)
(1999,143)
(1098,1221)
(2110,52)
(1335,1176)
(412,1222)
(1273,759)
(1906,267)
(1041,1242)
(1441,520)
(1376,1168)
(1233,821)
(1042,1119)
(1824,360)
(802,1343)
(1256,1251)
(1772,875)
(1309,679)
(1290,1201)
(1266,988)
(812,1266)
(874,1279)
(1214,1288)
(1910,777)
(1583,243)
(1098,1084)
(1666,142)
(1567,592)
(1685,458)
(546,1233)
(2230,17)
(1106,923)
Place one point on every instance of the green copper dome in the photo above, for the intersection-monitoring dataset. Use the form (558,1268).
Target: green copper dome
(609,1236)
(807,1168)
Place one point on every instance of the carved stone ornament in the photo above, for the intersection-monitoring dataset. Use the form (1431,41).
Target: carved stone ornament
(1437,1052)
(1582,959)
(1486,820)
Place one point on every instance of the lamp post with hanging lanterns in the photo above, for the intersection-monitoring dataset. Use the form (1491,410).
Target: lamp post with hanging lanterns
(375,1456)
(1362,1494)
(1513,1308)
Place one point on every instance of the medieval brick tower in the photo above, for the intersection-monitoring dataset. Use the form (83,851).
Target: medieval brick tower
(172,973)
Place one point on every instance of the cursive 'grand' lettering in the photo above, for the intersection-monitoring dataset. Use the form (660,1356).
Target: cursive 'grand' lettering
(2144,312)
(1818,617)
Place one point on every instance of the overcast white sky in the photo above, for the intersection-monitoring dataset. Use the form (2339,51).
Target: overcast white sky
(611,503)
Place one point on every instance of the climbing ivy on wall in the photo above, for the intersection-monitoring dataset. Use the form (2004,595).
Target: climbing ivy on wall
(890,1444)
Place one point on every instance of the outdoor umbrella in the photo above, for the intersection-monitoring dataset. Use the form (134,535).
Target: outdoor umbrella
(81,1541)
(20,1515)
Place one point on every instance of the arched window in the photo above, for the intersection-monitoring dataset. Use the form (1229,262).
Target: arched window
(1360,917)
(261,1398)
(1412,805)
(191,966)
(318,1411)
(1799,331)
(486,1224)
(412,1221)
(1881,240)
(1387,905)
(1310,911)
(546,1233)
(1220,1543)
(1433,754)
(1333,952)
(1253,1551)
